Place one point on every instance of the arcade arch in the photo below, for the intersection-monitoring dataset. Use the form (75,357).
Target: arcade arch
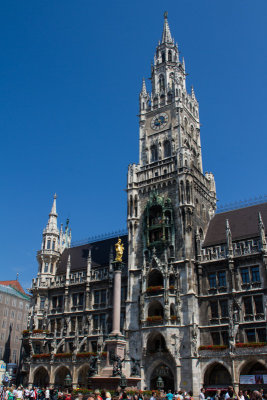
(41,377)
(60,375)
(217,374)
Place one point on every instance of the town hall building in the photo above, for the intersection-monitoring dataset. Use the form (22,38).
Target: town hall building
(192,284)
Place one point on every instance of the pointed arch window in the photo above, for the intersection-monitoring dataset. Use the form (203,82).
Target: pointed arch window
(154,153)
(161,83)
(169,55)
(167,149)
(163,56)
(48,244)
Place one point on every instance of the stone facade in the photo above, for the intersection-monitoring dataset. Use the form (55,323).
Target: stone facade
(193,282)
(14,308)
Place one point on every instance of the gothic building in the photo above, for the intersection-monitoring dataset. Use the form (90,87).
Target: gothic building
(193,282)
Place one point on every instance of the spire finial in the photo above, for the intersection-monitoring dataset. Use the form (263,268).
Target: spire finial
(17,278)
(166,34)
(54,206)
(144,91)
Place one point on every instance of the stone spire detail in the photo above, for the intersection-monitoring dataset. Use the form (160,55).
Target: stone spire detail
(262,232)
(166,34)
(144,91)
(52,220)
(229,239)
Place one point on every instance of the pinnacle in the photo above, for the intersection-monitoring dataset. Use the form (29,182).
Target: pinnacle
(144,91)
(166,34)
(54,206)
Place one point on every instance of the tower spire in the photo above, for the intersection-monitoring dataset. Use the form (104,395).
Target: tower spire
(52,220)
(166,34)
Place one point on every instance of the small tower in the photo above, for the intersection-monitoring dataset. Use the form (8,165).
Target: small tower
(50,252)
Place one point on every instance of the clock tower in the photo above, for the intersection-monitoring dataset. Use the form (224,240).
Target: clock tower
(170,203)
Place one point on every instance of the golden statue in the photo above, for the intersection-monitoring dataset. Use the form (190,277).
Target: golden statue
(119,250)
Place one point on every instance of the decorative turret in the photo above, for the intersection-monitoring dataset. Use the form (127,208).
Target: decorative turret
(143,98)
(50,252)
(51,232)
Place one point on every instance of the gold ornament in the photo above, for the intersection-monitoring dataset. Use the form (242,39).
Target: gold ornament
(119,250)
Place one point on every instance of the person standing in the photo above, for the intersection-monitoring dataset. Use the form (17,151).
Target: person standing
(47,394)
(202,394)
(169,395)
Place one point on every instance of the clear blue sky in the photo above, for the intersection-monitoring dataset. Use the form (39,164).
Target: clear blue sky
(70,76)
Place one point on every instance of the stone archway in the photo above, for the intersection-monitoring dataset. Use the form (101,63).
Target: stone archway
(217,375)
(60,375)
(253,367)
(165,372)
(41,377)
(83,376)
(156,343)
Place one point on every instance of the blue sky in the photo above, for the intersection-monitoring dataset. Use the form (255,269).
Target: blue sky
(70,75)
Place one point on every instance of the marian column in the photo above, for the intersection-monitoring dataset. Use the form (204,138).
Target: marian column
(117,267)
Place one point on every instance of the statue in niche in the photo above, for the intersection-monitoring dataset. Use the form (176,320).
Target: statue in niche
(194,339)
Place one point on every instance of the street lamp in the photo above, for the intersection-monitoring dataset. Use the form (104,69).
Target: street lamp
(68,380)
(160,383)
(123,381)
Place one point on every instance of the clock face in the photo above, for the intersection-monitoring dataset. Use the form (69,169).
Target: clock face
(159,121)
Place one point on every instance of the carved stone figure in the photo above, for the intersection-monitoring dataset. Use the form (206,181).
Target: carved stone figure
(93,365)
(117,365)
(194,340)
(135,367)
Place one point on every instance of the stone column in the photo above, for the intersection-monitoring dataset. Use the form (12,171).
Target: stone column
(117,267)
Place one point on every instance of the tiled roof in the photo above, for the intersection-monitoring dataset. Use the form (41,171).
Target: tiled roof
(15,284)
(243,224)
(100,252)
(13,292)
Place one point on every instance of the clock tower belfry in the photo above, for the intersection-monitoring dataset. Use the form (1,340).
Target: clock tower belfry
(170,202)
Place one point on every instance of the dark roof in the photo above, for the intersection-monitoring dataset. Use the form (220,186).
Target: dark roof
(14,284)
(100,252)
(243,224)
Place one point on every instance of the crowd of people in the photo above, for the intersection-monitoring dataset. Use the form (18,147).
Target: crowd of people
(51,393)
(230,394)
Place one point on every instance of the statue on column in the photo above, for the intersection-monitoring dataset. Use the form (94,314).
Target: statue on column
(117,365)
(119,250)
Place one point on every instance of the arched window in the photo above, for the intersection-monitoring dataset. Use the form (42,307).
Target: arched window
(182,191)
(154,153)
(161,83)
(162,100)
(169,55)
(163,56)
(155,278)
(131,206)
(187,192)
(155,309)
(135,206)
(167,149)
